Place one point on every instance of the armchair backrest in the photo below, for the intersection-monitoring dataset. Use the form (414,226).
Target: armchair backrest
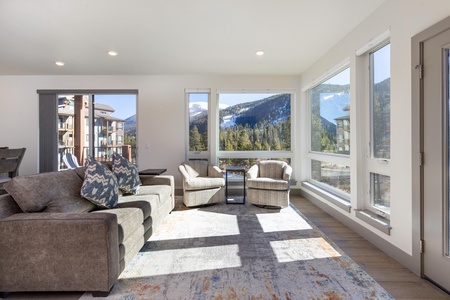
(197,168)
(271,168)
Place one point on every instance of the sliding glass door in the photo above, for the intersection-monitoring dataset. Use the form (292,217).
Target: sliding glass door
(87,123)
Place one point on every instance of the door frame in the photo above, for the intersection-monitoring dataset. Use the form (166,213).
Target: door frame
(417,99)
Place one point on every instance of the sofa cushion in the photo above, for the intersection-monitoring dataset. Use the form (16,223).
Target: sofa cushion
(159,202)
(143,205)
(100,185)
(201,183)
(49,192)
(163,191)
(128,220)
(127,174)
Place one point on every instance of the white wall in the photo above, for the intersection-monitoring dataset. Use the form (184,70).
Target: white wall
(405,18)
(161,110)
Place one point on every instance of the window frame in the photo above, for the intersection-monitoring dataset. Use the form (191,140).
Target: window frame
(374,165)
(368,163)
(214,155)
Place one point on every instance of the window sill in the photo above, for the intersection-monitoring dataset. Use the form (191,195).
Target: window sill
(380,223)
(332,198)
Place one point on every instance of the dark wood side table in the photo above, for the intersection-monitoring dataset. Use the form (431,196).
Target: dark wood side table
(235,169)
(152,172)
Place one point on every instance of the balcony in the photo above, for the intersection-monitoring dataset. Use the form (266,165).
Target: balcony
(102,153)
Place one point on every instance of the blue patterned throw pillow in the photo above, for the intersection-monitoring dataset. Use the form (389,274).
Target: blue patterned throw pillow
(100,185)
(127,174)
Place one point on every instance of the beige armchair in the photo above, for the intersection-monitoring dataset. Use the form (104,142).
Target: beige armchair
(202,183)
(268,183)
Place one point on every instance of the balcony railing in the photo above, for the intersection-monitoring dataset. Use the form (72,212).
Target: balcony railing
(102,153)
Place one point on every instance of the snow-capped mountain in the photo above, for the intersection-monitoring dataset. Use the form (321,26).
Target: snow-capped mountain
(196,108)
(265,111)
(332,105)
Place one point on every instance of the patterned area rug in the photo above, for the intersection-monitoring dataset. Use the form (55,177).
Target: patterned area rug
(242,252)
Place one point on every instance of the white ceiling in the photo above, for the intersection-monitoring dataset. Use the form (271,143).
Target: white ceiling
(172,36)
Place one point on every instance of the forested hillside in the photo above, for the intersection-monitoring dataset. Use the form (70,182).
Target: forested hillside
(259,125)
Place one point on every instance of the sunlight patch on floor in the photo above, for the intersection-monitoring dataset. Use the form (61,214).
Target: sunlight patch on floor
(284,220)
(303,249)
(182,261)
(194,227)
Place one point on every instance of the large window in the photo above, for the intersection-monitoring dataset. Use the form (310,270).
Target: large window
(239,128)
(330,115)
(87,122)
(330,134)
(380,130)
(254,126)
(380,94)
(198,121)
(110,118)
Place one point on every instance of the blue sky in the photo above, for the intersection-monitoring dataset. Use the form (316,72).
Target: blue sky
(382,57)
(125,105)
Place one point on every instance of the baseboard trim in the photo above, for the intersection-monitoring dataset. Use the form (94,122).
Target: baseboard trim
(402,257)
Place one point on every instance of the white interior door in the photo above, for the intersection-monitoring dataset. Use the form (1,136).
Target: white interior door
(436,169)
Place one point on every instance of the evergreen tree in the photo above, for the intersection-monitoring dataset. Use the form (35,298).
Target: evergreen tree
(286,135)
(229,140)
(195,140)
(244,143)
(265,141)
(276,146)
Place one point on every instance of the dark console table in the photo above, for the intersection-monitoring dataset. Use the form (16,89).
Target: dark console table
(235,169)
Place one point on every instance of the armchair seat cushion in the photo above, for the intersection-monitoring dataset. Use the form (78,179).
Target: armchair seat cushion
(268,184)
(202,183)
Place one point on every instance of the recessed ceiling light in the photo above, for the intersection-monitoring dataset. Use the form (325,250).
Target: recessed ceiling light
(112,53)
(259,52)
(59,63)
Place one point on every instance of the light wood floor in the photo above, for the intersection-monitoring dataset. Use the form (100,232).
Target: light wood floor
(399,281)
(391,275)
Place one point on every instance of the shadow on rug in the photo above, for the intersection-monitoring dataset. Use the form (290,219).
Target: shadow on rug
(242,252)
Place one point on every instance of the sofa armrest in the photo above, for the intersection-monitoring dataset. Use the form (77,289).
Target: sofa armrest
(59,252)
(160,180)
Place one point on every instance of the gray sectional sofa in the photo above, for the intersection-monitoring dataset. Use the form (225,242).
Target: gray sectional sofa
(51,239)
